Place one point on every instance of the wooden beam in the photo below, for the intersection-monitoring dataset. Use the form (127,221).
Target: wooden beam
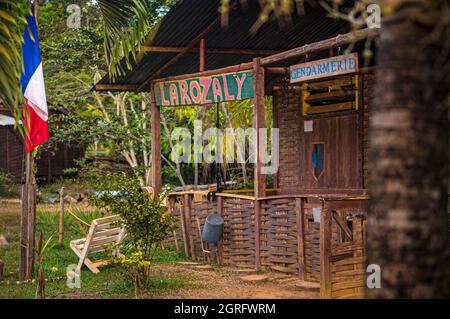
(220,244)
(156,145)
(116,87)
(339,40)
(299,214)
(325,252)
(235,51)
(277,70)
(185,50)
(228,69)
(189,230)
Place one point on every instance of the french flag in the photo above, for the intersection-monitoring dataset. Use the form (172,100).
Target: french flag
(33,89)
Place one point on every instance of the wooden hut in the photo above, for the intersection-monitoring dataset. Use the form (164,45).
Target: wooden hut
(50,163)
(312,223)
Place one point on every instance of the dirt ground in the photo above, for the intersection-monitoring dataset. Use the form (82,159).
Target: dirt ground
(225,283)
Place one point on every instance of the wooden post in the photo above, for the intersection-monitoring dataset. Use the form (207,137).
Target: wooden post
(275,108)
(189,230)
(23,231)
(202,54)
(260,179)
(258,211)
(220,244)
(183,230)
(156,144)
(31,225)
(61,216)
(325,252)
(36,10)
(27,221)
(175,241)
(300,213)
(259,122)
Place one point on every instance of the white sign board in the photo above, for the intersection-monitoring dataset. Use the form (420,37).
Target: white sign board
(338,65)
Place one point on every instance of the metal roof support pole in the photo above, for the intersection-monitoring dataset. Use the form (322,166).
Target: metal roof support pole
(156,172)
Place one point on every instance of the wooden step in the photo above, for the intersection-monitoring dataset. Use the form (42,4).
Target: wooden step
(308,285)
(187,263)
(254,278)
(203,267)
(244,271)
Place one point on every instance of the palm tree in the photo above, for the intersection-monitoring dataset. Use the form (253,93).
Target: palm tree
(126,24)
(12,21)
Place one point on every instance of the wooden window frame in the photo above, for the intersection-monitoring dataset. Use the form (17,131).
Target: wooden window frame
(307,110)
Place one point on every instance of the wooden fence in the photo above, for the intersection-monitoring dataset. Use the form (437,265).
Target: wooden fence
(319,239)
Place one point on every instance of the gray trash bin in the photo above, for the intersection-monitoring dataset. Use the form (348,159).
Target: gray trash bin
(212,229)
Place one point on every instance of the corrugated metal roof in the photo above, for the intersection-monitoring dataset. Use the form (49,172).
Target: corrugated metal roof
(188,18)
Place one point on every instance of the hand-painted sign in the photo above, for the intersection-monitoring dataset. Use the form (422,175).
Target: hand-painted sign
(337,65)
(205,90)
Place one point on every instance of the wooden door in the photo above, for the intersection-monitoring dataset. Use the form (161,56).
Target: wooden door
(331,154)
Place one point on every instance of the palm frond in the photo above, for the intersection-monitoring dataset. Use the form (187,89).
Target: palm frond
(127,22)
(12,24)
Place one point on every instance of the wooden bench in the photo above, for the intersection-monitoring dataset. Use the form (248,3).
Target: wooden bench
(104,234)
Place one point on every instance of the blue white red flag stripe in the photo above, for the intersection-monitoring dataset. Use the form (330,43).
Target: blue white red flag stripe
(33,89)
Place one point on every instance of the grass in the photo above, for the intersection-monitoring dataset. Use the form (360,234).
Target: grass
(111,282)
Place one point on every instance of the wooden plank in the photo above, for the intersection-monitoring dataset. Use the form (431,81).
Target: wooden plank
(189,230)
(61,214)
(103,240)
(108,232)
(348,284)
(350,261)
(299,212)
(235,51)
(107,220)
(331,108)
(329,95)
(325,252)
(343,225)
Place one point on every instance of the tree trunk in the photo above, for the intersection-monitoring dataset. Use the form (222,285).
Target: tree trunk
(409,152)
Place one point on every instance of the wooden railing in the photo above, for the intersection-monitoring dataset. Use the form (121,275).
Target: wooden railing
(314,237)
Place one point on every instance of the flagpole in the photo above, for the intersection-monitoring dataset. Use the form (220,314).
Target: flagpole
(28,211)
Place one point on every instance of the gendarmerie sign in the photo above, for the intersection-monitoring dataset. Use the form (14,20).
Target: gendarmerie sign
(205,90)
(337,65)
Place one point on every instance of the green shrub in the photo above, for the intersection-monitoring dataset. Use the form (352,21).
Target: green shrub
(146,220)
